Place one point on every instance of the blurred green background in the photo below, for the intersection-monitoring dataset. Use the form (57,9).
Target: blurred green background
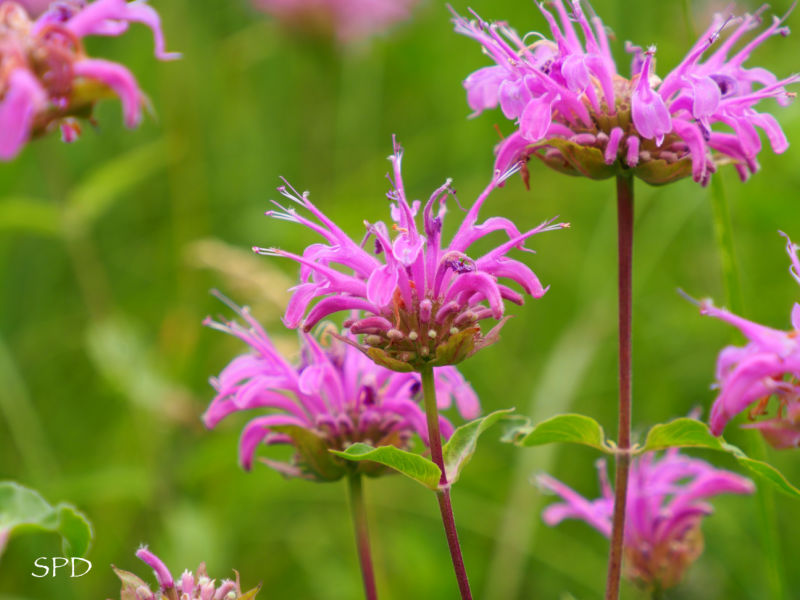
(108,249)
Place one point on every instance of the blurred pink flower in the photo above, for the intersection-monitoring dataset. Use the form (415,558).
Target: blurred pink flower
(333,398)
(665,507)
(349,20)
(424,299)
(187,587)
(46,78)
(577,114)
(769,365)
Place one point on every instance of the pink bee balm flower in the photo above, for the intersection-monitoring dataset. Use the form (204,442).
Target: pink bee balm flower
(424,300)
(349,20)
(187,587)
(577,114)
(665,506)
(48,80)
(333,398)
(769,365)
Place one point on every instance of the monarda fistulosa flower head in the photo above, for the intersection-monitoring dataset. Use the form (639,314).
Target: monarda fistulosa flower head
(188,586)
(334,397)
(423,300)
(767,366)
(666,503)
(48,81)
(579,116)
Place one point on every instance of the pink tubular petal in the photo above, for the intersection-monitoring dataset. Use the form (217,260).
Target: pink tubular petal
(23,99)
(108,17)
(483,87)
(477,283)
(536,118)
(382,284)
(614,139)
(163,576)
(791,250)
(650,114)
(632,151)
(119,79)
(255,432)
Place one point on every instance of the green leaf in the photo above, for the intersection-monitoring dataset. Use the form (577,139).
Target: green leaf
(691,433)
(23,509)
(684,433)
(30,215)
(569,428)
(763,471)
(461,446)
(417,467)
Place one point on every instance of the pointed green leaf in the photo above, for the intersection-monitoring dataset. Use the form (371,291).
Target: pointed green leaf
(691,433)
(461,446)
(417,467)
(683,432)
(22,509)
(569,428)
(250,595)
(763,470)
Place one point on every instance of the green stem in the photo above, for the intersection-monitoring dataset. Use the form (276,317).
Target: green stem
(359,515)
(443,495)
(753,443)
(625,269)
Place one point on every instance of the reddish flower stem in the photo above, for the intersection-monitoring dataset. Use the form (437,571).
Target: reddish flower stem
(359,515)
(625,254)
(443,495)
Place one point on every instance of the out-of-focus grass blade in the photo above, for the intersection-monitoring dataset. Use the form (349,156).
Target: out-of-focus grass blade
(30,215)
(19,413)
(95,194)
(118,351)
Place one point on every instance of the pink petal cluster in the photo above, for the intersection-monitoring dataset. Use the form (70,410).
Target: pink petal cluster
(574,110)
(349,20)
(768,365)
(335,392)
(665,506)
(47,80)
(187,587)
(424,300)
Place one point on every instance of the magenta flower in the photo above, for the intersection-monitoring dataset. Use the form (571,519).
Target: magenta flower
(424,300)
(49,81)
(348,20)
(665,506)
(186,587)
(769,365)
(576,113)
(333,398)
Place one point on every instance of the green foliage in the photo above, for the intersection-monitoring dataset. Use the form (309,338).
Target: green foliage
(23,509)
(691,433)
(569,428)
(459,449)
(417,467)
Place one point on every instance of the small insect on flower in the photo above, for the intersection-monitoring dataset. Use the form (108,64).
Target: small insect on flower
(48,80)
(767,366)
(187,587)
(665,506)
(334,397)
(424,300)
(579,116)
